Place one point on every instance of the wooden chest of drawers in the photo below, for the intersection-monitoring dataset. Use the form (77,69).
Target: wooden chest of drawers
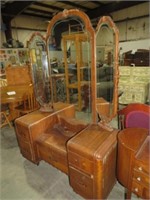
(92,162)
(141,171)
(133,161)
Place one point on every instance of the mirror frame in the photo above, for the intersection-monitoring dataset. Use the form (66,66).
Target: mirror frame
(107,20)
(91,31)
(34,36)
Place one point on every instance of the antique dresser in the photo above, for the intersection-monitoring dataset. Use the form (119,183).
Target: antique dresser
(133,161)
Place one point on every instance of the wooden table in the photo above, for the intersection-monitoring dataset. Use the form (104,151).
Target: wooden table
(14,99)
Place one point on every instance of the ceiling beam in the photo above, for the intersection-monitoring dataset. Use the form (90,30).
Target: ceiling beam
(98,3)
(111,7)
(48,6)
(37,15)
(39,11)
(73,4)
(15,8)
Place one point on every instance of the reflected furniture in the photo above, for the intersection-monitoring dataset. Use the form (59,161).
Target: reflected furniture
(133,161)
(134,115)
(104,84)
(77,54)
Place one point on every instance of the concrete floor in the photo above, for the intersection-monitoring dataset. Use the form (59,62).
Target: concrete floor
(22,180)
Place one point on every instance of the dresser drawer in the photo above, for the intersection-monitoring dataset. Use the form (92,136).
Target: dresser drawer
(137,188)
(140,177)
(139,166)
(81,183)
(80,163)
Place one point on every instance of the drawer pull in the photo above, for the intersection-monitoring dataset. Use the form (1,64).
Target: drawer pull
(140,168)
(139,178)
(136,189)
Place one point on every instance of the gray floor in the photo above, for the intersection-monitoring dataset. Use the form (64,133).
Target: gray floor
(23,180)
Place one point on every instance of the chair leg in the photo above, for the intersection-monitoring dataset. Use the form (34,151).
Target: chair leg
(6,120)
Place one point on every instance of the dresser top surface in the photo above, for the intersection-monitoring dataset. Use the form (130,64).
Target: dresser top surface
(37,115)
(133,138)
(143,153)
(92,141)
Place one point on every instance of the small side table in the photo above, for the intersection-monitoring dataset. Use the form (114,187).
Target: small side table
(130,146)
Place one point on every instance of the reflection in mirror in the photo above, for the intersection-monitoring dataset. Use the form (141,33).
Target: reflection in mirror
(70,58)
(40,71)
(107,69)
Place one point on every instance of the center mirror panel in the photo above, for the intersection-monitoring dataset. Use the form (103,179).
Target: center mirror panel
(69,51)
(107,68)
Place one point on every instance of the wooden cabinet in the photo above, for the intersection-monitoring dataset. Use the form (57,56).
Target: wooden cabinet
(77,61)
(92,162)
(133,161)
(141,171)
(18,75)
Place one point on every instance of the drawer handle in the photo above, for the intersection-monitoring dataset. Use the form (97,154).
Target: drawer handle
(140,168)
(136,189)
(139,178)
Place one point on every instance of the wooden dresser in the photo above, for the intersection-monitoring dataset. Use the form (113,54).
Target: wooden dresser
(30,127)
(86,153)
(92,162)
(133,161)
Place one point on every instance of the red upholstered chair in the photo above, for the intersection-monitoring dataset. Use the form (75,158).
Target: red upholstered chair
(135,115)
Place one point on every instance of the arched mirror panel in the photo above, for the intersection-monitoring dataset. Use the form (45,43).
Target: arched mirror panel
(40,71)
(70,44)
(107,39)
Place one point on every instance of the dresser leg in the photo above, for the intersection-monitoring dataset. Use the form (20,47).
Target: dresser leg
(127,194)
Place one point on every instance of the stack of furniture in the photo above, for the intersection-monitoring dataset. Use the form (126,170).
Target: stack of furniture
(139,57)
(134,82)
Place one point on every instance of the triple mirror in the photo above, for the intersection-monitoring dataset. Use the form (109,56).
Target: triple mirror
(71,73)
